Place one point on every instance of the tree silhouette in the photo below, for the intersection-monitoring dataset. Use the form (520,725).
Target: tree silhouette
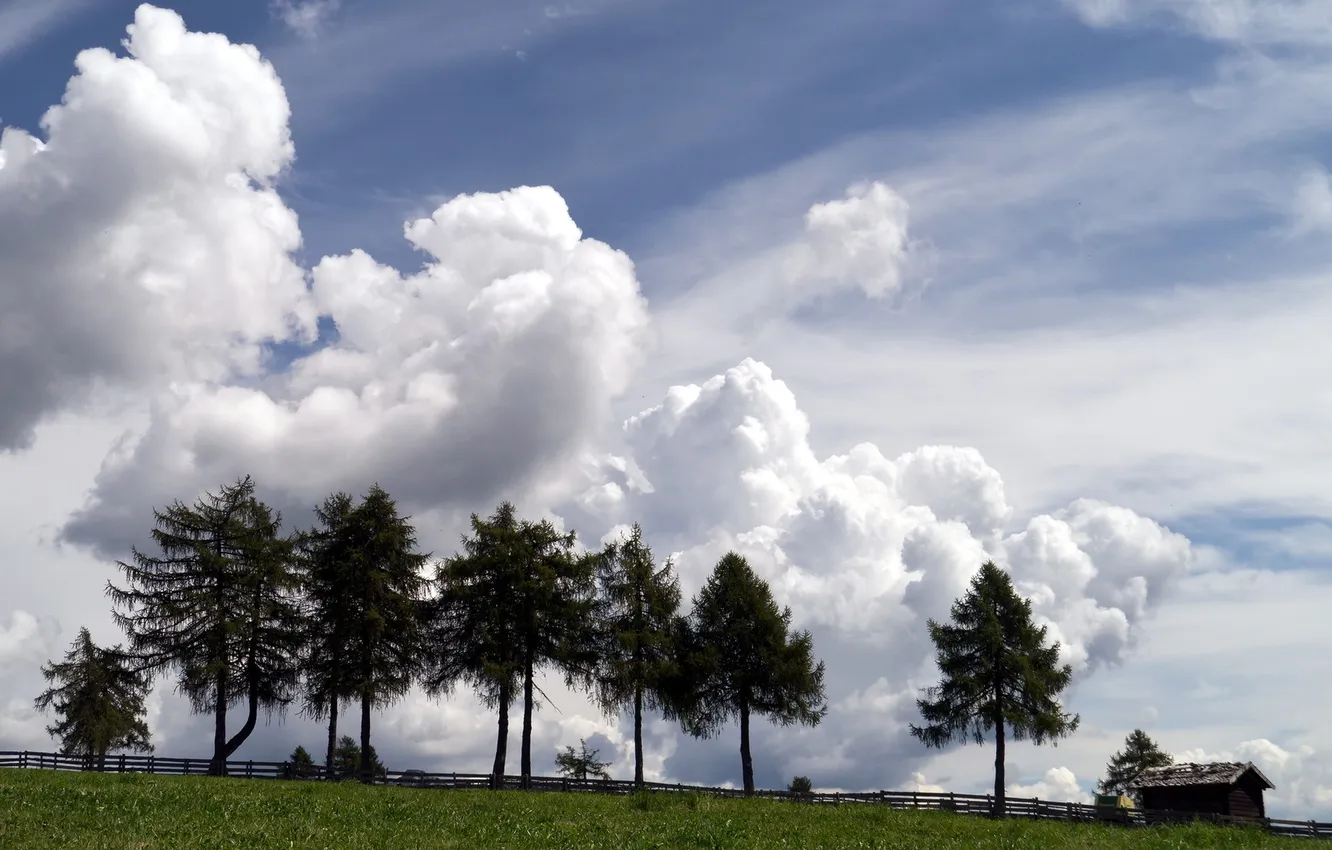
(556,617)
(638,609)
(739,659)
(1140,753)
(329,613)
(348,761)
(518,597)
(98,698)
(384,644)
(581,764)
(217,607)
(997,673)
(473,622)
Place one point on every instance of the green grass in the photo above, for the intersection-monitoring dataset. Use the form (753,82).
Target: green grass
(48,809)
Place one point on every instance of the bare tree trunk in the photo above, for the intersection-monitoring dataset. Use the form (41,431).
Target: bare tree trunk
(367,772)
(999,767)
(746,759)
(502,742)
(332,738)
(526,755)
(219,765)
(251,716)
(638,735)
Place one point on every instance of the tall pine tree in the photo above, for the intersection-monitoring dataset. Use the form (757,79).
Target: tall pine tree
(329,611)
(740,659)
(556,617)
(384,644)
(99,700)
(473,622)
(1140,753)
(998,675)
(517,598)
(217,607)
(638,608)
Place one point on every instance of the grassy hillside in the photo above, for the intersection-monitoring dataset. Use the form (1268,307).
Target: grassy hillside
(48,809)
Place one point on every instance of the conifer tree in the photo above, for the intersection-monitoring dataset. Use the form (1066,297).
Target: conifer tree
(740,659)
(581,764)
(384,645)
(99,700)
(329,612)
(638,610)
(473,623)
(997,675)
(519,597)
(1140,753)
(217,607)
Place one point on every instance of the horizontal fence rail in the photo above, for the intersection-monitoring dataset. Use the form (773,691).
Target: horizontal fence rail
(973,804)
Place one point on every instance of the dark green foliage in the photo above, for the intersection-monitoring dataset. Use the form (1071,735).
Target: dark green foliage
(326,563)
(518,597)
(1140,753)
(800,785)
(98,698)
(348,764)
(581,764)
(638,605)
(218,607)
(740,659)
(997,673)
(473,622)
(556,617)
(385,587)
(300,764)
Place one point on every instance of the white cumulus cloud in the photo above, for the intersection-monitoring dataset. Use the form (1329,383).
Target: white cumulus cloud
(866,545)
(493,364)
(142,238)
(1059,785)
(859,242)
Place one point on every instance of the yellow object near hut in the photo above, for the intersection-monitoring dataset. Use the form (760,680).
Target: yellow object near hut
(1119,802)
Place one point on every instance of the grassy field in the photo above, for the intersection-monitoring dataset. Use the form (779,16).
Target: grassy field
(48,809)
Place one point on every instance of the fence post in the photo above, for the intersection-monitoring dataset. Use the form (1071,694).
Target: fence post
(915,804)
(120,768)
(249,769)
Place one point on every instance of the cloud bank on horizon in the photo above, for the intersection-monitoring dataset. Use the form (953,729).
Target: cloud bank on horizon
(149,278)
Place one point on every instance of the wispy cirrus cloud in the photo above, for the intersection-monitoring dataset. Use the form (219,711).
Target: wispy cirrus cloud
(23,22)
(306,18)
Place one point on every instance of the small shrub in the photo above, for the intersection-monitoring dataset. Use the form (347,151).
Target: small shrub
(800,785)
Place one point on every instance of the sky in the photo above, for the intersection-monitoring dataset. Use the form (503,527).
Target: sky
(867,292)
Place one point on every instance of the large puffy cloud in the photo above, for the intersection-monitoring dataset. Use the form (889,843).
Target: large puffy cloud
(142,238)
(151,197)
(865,548)
(858,541)
(488,369)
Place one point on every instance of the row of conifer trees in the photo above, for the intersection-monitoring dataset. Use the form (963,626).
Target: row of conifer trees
(348,613)
(242,612)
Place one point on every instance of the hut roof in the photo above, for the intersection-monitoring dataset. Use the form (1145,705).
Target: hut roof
(1179,775)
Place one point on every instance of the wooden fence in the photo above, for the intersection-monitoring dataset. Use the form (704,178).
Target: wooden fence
(974,804)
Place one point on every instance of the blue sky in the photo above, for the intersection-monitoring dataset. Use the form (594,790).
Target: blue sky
(633,109)
(1079,244)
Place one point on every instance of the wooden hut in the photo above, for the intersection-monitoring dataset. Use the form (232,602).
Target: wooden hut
(1231,789)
